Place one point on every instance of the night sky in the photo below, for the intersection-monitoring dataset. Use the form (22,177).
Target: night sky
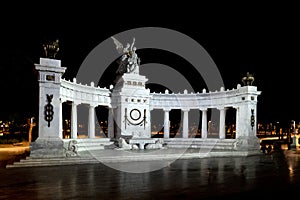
(262,40)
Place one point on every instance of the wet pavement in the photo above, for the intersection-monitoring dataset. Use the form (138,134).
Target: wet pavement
(260,176)
(11,153)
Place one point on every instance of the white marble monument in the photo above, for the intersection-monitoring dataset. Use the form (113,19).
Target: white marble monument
(130,104)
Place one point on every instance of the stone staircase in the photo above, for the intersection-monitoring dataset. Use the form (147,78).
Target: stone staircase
(77,151)
(93,151)
(33,162)
(200,143)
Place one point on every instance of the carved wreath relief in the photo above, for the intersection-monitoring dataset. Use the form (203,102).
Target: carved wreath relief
(135,118)
(48,111)
(252,118)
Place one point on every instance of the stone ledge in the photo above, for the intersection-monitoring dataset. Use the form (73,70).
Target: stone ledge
(50,62)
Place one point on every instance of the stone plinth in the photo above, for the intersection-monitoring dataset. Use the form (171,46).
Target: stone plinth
(245,143)
(50,62)
(47,148)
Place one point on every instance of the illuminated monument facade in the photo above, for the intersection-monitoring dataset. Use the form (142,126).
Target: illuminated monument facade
(129,118)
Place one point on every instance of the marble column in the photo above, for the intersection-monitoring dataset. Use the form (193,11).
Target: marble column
(91,126)
(204,124)
(166,124)
(110,123)
(237,126)
(60,120)
(185,132)
(74,121)
(222,123)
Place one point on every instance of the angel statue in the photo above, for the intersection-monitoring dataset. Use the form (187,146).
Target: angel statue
(129,62)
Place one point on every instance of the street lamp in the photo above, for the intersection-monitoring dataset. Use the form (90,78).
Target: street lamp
(31,125)
(294,131)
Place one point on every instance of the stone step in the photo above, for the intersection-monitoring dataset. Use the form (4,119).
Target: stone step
(51,161)
(199,146)
(64,161)
(222,144)
(29,159)
(47,162)
(208,140)
(200,143)
(35,163)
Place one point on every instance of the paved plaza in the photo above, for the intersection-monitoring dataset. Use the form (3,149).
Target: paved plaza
(258,176)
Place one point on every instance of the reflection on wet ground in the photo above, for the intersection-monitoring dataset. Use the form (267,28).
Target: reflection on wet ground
(262,176)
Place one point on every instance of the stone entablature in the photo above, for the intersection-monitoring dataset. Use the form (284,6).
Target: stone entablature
(84,94)
(216,99)
(90,94)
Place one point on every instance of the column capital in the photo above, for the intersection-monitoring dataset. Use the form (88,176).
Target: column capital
(203,109)
(222,108)
(167,109)
(185,109)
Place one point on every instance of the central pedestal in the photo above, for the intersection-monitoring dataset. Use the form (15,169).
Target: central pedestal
(130,101)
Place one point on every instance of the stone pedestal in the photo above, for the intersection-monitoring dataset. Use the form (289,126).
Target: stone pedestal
(130,100)
(47,148)
(49,142)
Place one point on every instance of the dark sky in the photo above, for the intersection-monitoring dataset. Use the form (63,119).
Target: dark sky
(261,39)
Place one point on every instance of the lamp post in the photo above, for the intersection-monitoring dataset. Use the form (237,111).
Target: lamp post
(295,135)
(31,125)
(294,139)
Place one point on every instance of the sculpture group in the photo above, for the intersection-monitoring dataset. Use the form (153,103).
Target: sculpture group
(129,61)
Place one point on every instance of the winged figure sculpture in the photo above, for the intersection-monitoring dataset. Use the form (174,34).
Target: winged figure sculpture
(129,61)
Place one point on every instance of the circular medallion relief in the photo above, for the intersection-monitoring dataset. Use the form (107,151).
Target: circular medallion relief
(135,114)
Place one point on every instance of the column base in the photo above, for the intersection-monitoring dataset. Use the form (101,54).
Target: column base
(47,148)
